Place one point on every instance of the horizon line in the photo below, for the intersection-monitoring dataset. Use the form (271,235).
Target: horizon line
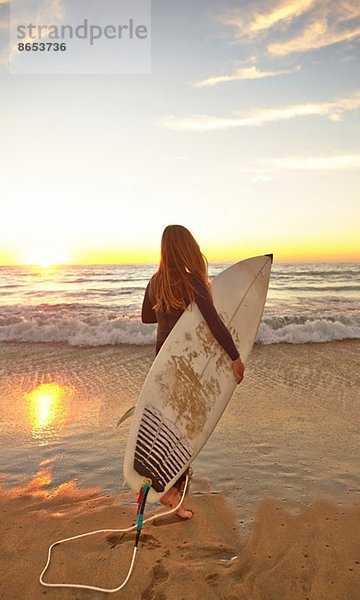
(126,264)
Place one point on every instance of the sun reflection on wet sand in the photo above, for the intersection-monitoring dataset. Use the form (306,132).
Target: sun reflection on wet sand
(47,407)
(39,486)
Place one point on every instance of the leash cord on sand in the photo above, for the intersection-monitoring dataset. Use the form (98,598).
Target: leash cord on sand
(137,526)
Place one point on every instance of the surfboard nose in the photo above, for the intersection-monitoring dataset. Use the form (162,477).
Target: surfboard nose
(271,256)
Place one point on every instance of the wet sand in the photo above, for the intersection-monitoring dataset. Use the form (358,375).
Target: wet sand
(275,491)
(308,552)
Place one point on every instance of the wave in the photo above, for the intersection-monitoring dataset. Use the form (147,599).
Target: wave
(292,273)
(105,279)
(81,331)
(101,330)
(304,329)
(316,288)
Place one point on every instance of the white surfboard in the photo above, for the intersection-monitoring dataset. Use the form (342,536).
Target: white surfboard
(191,380)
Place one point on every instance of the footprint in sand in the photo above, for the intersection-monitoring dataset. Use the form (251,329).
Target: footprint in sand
(222,554)
(159,573)
(213,579)
(159,576)
(147,540)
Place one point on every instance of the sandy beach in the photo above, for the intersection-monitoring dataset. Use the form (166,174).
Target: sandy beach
(275,491)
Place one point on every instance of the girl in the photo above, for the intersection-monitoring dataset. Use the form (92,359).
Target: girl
(181,279)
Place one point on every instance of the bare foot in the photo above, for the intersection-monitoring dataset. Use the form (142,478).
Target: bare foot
(171,498)
(185,514)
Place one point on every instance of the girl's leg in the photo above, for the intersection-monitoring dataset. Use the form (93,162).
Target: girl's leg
(173,496)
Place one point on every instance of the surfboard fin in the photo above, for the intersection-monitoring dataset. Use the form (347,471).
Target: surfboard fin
(126,415)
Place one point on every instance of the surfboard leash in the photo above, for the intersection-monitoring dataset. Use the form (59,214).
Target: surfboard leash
(140,521)
(141,507)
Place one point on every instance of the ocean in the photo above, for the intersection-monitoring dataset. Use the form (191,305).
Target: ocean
(98,305)
(74,355)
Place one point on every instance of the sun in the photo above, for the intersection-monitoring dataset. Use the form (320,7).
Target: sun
(44,257)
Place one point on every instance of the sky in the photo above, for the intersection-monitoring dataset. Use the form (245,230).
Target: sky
(246,130)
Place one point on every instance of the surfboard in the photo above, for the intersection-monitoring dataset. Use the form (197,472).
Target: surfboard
(191,381)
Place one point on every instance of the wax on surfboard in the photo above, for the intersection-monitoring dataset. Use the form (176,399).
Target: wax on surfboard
(191,381)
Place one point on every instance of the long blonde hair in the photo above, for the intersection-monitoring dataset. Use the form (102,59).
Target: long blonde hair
(180,255)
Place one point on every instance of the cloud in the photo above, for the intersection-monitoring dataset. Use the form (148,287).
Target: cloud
(285,11)
(302,163)
(309,24)
(256,117)
(42,11)
(4,14)
(255,22)
(243,73)
(317,35)
(262,178)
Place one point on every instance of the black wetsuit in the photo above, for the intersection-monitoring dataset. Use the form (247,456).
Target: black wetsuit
(167,320)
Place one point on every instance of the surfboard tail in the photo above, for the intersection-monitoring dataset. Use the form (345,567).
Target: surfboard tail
(161,452)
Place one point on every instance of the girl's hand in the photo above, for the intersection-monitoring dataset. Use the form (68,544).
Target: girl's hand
(238,368)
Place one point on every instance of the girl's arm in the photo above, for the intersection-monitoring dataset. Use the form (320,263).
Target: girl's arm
(147,312)
(211,316)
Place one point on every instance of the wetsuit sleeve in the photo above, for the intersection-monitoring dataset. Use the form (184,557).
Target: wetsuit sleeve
(211,316)
(147,312)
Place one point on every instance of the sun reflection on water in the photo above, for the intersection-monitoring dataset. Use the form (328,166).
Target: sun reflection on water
(47,409)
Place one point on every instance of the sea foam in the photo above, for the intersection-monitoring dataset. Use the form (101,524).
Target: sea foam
(100,330)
